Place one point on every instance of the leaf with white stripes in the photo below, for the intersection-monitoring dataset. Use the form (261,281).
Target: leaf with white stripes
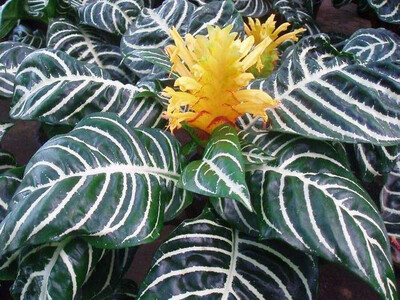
(4,127)
(55,270)
(325,94)
(390,201)
(9,182)
(298,14)
(386,10)
(7,161)
(102,181)
(216,13)
(374,44)
(151,31)
(309,198)
(53,87)
(90,45)
(374,161)
(42,9)
(11,56)
(23,34)
(237,215)
(206,258)
(107,274)
(253,8)
(114,16)
(220,173)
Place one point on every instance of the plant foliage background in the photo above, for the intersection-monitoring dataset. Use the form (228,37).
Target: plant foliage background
(319,183)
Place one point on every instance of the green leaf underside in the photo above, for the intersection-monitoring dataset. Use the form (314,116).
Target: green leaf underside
(220,173)
(309,198)
(204,257)
(53,87)
(327,95)
(102,181)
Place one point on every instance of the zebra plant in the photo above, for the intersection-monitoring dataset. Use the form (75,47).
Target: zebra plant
(282,145)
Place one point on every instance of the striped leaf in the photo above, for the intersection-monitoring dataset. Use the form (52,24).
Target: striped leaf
(11,56)
(9,265)
(220,173)
(253,8)
(216,13)
(374,161)
(376,44)
(66,269)
(56,270)
(9,182)
(309,198)
(23,34)
(298,14)
(206,258)
(390,201)
(107,274)
(114,16)
(7,161)
(319,89)
(42,9)
(151,31)
(55,88)
(103,181)
(89,45)
(4,127)
(247,8)
(387,10)
(237,215)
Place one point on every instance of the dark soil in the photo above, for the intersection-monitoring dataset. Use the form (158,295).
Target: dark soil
(335,282)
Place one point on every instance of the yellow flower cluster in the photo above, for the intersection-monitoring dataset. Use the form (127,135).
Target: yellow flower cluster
(213,74)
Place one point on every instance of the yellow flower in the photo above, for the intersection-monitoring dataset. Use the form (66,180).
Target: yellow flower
(212,79)
(268,30)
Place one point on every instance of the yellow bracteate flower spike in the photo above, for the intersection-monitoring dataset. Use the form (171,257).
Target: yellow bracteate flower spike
(212,79)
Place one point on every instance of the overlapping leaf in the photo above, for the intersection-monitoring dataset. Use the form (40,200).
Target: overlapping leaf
(298,14)
(7,161)
(107,275)
(55,88)
(387,10)
(309,198)
(374,45)
(10,12)
(9,182)
(101,181)
(114,16)
(253,8)
(216,13)
(11,56)
(390,201)
(220,173)
(23,34)
(4,127)
(90,45)
(151,31)
(204,257)
(374,161)
(56,270)
(328,95)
